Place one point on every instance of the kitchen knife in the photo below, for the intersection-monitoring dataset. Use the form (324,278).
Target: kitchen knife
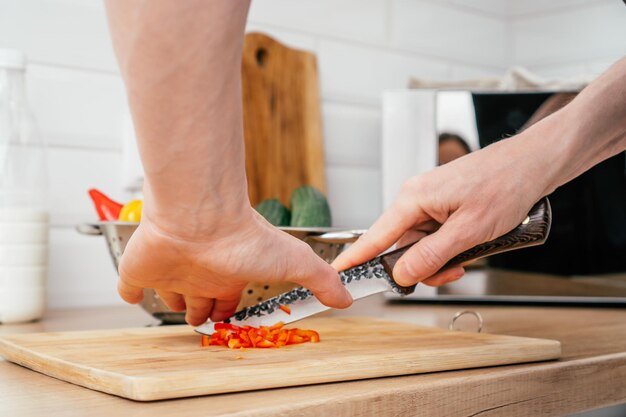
(376,276)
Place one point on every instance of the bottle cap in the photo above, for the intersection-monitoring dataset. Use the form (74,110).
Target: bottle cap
(12,58)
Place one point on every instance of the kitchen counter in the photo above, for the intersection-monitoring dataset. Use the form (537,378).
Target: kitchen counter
(591,373)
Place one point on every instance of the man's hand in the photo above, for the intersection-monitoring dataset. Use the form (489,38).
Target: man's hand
(483,195)
(456,206)
(206,276)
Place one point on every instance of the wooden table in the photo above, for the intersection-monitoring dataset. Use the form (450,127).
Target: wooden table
(591,374)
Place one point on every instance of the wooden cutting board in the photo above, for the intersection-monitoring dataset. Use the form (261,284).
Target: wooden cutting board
(282,120)
(168,362)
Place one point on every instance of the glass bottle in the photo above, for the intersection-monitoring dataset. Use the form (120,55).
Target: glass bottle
(23,214)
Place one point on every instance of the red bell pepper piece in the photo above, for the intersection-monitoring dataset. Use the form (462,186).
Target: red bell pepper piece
(107,209)
(252,337)
(285,308)
(234,343)
(226,326)
(264,343)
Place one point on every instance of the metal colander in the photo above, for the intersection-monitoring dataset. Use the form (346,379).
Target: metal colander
(326,242)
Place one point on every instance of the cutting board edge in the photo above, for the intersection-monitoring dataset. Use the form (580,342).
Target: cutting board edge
(15,354)
(147,393)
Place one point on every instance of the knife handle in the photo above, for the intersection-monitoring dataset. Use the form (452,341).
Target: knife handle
(532,231)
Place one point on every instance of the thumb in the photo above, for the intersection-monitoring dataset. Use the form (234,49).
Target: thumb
(426,257)
(319,277)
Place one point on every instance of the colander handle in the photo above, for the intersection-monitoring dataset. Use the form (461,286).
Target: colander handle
(89,229)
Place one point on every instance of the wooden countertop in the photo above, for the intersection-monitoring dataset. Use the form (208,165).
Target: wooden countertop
(591,373)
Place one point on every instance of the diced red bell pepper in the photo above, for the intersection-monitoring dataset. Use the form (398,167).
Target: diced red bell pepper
(226,326)
(107,209)
(234,343)
(236,337)
(264,343)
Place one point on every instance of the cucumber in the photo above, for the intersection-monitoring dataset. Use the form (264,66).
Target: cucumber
(309,208)
(274,212)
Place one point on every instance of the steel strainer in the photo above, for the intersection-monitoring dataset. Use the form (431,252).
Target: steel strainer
(328,243)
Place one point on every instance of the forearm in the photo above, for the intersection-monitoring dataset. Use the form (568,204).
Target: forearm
(587,131)
(180,61)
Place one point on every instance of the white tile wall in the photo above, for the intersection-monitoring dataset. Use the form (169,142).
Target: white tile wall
(78,108)
(354,195)
(350,72)
(590,32)
(67,33)
(497,7)
(80,271)
(355,20)
(72,172)
(352,135)
(363,48)
(449,32)
(528,7)
(468,72)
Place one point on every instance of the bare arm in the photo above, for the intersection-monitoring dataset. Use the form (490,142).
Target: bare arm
(199,241)
(593,126)
(181,65)
(485,194)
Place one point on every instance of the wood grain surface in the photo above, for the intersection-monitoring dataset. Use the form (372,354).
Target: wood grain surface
(590,374)
(167,362)
(282,120)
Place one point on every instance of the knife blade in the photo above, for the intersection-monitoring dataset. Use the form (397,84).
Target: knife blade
(376,275)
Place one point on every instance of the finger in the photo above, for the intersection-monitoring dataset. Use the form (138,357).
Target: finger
(429,255)
(223,309)
(445,276)
(128,292)
(410,237)
(319,277)
(390,226)
(198,309)
(174,302)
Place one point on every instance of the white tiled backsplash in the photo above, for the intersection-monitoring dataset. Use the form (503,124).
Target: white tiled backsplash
(363,48)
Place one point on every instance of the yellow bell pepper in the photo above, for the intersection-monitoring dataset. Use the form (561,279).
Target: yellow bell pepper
(131,212)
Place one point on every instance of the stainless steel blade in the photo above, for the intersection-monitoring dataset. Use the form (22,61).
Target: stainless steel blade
(361,281)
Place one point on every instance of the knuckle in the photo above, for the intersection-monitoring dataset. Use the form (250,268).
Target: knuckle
(413,184)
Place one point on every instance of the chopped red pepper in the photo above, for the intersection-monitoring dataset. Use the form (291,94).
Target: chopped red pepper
(285,308)
(107,209)
(236,337)
(226,326)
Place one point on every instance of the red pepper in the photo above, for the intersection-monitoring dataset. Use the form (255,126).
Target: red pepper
(265,344)
(107,209)
(226,326)
(285,308)
(236,337)
(234,343)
